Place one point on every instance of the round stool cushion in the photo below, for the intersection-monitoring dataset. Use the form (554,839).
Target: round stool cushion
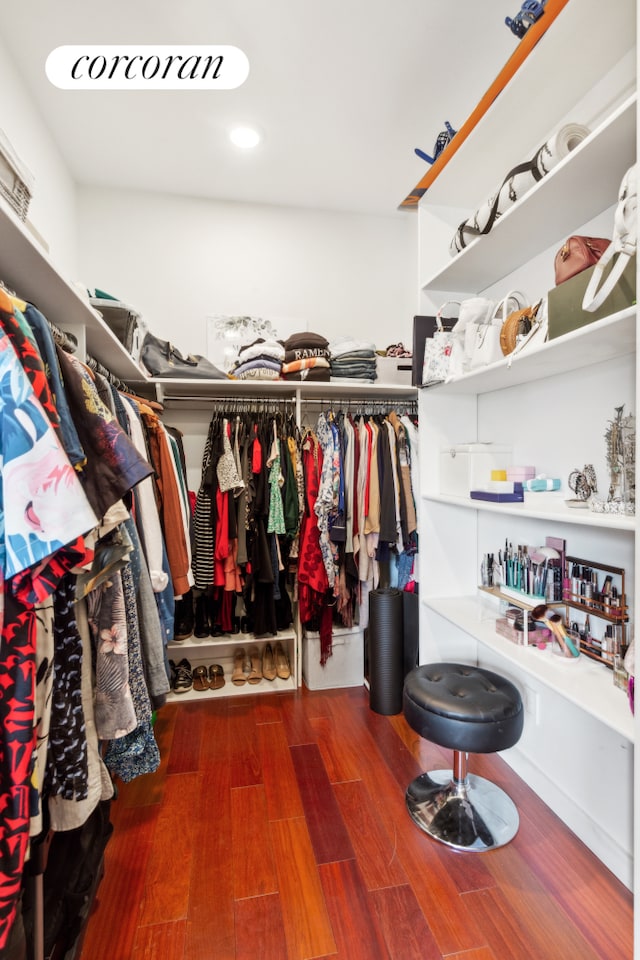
(462,707)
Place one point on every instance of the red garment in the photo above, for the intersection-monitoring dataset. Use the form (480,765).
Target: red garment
(256,455)
(17,743)
(221,539)
(312,575)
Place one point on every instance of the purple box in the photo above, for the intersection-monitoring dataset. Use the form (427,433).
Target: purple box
(516,497)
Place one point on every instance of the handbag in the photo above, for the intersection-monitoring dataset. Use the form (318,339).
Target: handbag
(162,359)
(624,244)
(475,313)
(538,334)
(576,254)
(484,342)
(123,321)
(424,328)
(516,326)
(517,183)
(438,350)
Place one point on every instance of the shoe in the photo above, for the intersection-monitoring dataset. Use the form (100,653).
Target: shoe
(184,618)
(200,678)
(172,674)
(283,670)
(239,676)
(255,674)
(268,663)
(201,628)
(184,677)
(216,676)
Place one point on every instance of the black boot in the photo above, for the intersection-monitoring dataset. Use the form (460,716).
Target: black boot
(202,617)
(183,619)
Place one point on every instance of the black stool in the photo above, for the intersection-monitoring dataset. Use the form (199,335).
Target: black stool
(470,710)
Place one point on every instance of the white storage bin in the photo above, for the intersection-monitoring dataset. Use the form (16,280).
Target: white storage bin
(394,370)
(468,466)
(344,668)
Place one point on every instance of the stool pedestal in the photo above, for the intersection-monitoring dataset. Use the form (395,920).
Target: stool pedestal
(462,810)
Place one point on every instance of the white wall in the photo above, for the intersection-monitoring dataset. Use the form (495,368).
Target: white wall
(179,260)
(52,210)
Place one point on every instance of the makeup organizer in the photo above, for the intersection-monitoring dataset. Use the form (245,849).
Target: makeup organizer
(597,591)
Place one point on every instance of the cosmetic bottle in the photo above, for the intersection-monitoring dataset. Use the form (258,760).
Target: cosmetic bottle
(575,581)
(614,602)
(588,592)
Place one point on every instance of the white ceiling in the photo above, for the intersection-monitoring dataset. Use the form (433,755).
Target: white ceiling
(342,90)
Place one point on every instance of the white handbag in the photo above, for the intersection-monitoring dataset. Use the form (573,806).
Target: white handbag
(483,340)
(623,244)
(475,315)
(438,351)
(538,334)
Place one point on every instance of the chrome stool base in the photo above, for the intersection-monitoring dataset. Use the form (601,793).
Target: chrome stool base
(470,813)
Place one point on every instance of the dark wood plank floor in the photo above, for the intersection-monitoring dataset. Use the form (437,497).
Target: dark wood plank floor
(276,829)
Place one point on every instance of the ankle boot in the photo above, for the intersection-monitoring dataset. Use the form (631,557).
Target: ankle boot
(201,617)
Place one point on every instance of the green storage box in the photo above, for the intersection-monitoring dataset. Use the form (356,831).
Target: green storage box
(565,300)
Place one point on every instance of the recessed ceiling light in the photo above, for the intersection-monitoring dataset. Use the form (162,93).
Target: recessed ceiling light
(245,137)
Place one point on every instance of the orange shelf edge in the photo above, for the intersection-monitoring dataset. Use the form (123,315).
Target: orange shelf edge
(513,64)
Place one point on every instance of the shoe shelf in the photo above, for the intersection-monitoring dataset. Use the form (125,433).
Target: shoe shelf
(221,650)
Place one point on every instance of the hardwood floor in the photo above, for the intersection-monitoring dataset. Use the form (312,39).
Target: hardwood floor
(276,829)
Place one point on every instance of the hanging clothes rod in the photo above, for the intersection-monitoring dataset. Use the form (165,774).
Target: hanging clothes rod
(235,404)
(98,367)
(362,403)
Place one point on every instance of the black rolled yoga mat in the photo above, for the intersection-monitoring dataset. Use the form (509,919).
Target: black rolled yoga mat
(386,651)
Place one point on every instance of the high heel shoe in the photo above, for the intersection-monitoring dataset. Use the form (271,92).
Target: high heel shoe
(283,670)
(268,663)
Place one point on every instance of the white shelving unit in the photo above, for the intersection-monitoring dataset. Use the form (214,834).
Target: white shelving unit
(209,650)
(26,268)
(550,404)
(579,681)
(550,209)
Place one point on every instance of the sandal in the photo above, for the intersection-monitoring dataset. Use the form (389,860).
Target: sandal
(256,666)
(200,678)
(216,676)
(239,676)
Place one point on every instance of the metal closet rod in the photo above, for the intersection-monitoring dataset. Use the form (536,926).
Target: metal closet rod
(362,403)
(245,405)
(98,367)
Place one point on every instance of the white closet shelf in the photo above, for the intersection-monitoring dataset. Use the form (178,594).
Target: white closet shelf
(541,506)
(519,118)
(30,272)
(230,689)
(606,339)
(584,683)
(553,209)
(192,389)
